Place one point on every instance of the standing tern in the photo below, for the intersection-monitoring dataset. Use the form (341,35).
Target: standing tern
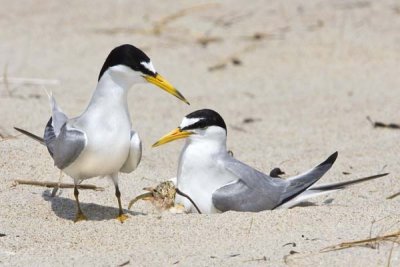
(100,142)
(217,182)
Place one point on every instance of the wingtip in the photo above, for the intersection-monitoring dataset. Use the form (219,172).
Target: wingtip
(17,129)
(31,135)
(383,174)
(48,93)
(330,160)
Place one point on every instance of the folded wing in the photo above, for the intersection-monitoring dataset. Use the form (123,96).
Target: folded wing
(64,142)
(256,191)
(135,154)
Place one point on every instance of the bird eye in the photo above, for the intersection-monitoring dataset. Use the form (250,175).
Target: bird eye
(202,124)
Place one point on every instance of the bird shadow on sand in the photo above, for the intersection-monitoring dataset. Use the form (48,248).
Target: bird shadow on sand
(65,208)
(305,204)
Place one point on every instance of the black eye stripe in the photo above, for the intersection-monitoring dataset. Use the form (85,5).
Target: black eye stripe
(146,71)
(197,125)
(207,117)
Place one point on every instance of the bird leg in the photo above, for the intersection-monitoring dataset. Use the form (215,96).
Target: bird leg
(55,189)
(79,214)
(121,216)
(179,192)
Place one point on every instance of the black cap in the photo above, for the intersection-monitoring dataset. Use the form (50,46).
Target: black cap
(129,56)
(207,118)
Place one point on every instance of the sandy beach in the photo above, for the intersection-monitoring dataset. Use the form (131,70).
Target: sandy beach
(294,81)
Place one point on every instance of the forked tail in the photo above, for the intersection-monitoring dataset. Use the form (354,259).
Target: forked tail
(31,135)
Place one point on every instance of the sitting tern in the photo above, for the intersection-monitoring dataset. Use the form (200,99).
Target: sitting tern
(100,142)
(217,182)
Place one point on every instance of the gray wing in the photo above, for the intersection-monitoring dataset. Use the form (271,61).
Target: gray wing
(314,191)
(58,117)
(64,142)
(238,196)
(253,191)
(298,184)
(66,146)
(256,191)
(135,154)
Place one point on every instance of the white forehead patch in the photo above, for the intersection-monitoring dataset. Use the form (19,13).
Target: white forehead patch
(149,66)
(188,121)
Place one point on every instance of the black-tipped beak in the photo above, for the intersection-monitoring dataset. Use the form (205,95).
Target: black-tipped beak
(161,82)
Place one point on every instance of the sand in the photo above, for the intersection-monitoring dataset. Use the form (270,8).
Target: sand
(307,72)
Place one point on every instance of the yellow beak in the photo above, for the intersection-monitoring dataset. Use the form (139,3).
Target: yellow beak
(171,136)
(161,82)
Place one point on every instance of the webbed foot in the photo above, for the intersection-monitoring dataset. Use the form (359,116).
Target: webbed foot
(122,217)
(80,217)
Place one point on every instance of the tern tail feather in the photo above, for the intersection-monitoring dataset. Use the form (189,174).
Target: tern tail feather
(319,190)
(31,135)
(299,184)
(58,117)
(342,185)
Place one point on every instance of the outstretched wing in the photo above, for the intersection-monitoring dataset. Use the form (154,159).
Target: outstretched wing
(135,154)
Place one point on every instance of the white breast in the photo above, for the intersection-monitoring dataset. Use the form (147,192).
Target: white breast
(200,173)
(108,143)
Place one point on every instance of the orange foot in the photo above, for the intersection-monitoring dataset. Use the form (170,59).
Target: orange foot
(80,217)
(122,217)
